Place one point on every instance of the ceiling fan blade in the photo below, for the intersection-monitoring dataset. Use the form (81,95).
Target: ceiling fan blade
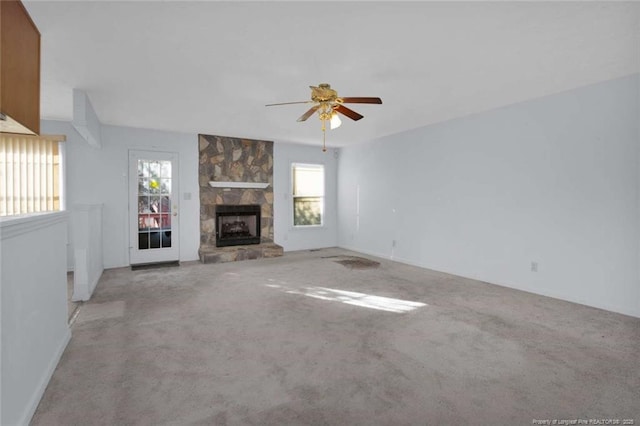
(348,112)
(362,100)
(309,113)
(291,103)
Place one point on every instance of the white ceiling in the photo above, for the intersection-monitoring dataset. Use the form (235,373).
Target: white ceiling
(210,67)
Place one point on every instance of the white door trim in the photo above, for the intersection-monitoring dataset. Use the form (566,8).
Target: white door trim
(160,254)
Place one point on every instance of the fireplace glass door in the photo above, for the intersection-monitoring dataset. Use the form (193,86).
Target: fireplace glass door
(237,225)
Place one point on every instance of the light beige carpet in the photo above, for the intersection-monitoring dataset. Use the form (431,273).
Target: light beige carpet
(306,340)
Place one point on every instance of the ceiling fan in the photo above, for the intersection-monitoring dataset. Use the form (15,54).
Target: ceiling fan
(328,104)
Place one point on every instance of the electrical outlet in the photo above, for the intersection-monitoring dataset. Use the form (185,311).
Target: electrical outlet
(534,266)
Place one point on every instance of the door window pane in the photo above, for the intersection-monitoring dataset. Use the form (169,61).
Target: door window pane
(154,169)
(166,239)
(143,240)
(154,204)
(165,186)
(165,169)
(154,240)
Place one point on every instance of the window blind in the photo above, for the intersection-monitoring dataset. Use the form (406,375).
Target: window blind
(29,174)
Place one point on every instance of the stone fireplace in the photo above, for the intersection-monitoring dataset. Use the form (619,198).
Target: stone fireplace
(236,199)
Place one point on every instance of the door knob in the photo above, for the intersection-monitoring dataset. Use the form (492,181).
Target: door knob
(175,213)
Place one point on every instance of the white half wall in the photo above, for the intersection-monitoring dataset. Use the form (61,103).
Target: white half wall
(33,288)
(553,181)
(87,249)
(100,176)
(290,238)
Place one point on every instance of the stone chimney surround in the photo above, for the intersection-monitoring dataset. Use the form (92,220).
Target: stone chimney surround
(232,171)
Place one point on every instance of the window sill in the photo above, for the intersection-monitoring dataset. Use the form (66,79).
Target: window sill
(306,227)
(13,226)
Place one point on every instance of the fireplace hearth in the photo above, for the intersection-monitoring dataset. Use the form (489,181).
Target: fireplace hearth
(237,224)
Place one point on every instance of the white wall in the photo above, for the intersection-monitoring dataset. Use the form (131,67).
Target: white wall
(33,288)
(85,120)
(638,194)
(553,180)
(100,176)
(290,238)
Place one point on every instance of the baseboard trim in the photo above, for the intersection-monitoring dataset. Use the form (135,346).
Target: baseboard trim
(42,386)
(603,306)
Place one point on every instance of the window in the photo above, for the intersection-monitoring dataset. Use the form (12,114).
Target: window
(308,194)
(30,174)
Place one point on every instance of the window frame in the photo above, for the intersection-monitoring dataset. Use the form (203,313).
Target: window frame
(322,198)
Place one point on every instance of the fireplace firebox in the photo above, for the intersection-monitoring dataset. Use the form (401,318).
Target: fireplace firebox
(237,225)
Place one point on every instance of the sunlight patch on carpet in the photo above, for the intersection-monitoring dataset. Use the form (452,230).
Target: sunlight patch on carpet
(363,300)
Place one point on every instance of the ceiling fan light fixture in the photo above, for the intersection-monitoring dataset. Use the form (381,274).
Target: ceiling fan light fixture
(335,121)
(327,104)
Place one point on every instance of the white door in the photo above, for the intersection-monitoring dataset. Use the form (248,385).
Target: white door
(153,207)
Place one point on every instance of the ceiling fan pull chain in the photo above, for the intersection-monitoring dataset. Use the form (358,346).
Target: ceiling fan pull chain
(324,145)
(324,133)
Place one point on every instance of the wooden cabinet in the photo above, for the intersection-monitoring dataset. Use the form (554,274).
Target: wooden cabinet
(19,69)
